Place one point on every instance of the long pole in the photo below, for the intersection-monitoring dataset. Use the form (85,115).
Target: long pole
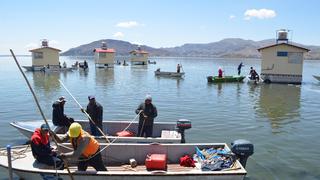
(39,107)
(84,111)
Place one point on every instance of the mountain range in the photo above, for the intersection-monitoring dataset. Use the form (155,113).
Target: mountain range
(226,48)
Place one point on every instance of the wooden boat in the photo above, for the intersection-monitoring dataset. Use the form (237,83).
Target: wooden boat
(169,74)
(152,62)
(45,69)
(216,79)
(163,132)
(317,77)
(116,158)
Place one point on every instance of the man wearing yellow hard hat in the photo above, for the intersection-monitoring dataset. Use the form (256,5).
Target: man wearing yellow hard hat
(86,148)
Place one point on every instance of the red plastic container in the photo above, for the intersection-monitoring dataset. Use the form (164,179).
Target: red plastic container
(125,134)
(156,162)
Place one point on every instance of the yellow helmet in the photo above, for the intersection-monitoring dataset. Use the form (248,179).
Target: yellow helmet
(74,130)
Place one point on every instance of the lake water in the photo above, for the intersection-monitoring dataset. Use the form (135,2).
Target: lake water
(282,121)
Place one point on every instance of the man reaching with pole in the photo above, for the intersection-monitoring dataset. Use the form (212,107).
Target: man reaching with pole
(95,111)
(86,148)
(147,115)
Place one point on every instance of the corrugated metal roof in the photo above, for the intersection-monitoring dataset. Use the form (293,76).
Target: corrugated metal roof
(33,50)
(139,52)
(104,50)
(284,44)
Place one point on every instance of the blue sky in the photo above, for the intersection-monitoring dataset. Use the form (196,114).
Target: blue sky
(157,23)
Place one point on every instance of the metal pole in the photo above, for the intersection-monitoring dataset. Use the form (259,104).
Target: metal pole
(39,108)
(9,162)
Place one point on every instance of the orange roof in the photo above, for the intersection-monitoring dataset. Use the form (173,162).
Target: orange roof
(284,44)
(139,52)
(104,50)
(33,50)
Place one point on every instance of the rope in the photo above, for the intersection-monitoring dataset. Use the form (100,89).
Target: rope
(39,107)
(15,154)
(112,140)
(84,111)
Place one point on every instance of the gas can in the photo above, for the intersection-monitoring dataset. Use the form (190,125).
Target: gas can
(156,162)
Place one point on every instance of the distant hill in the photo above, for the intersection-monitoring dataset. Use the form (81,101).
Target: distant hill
(226,48)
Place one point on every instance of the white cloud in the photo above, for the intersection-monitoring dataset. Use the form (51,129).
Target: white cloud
(259,13)
(53,43)
(128,24)
(31,46)
(137,43)
(118,35)
(232,16)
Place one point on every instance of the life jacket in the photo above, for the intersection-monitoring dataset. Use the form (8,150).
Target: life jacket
(38,139)
(91,148)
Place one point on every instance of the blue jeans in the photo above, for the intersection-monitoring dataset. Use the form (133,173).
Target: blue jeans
(94,130)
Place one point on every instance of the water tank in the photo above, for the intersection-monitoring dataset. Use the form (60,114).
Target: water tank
(44,43)
(282,34)
(104,45)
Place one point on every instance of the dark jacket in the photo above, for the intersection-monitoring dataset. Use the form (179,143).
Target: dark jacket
(150,111)
(58,116)
(96,113)
(40,145)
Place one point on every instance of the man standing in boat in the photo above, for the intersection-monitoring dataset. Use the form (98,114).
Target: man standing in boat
(95,111)
(178,68)
(58,117)
(239,68)
(146,119)
(86,149)
(41,149)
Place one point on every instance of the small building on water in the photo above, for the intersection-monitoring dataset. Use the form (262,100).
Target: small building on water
(104,57)
(282,62)
(139,57)
(44,56)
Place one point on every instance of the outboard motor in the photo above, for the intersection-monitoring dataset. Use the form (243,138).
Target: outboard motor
(242,149)
(182,125)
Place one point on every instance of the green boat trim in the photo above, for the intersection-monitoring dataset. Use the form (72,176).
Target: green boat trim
(216,79)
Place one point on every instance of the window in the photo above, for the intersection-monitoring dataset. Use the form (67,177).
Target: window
(102,55)
(295,57)
(282,53)
(38,55)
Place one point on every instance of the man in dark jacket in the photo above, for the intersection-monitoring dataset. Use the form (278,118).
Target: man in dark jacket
(147,115)
(95,111)
(41,149)
(58,116)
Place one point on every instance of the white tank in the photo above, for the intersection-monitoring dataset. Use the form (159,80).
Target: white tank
(44,43)
(104,45)
(282,35)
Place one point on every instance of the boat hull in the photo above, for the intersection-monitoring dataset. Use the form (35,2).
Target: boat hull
(317,77)
(163,132)
(169,74)
(116,158)
(225,79)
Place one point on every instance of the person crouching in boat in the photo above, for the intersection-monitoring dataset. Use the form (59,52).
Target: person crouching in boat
(86,148)
(220,72)
(41,149)
(59,119)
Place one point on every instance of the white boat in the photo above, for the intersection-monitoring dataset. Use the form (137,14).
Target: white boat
(168,74)
(46,69)
(116,158)
(317,77)
(163,132)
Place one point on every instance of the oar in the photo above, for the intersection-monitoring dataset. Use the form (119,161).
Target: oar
(84,111)
(39,107)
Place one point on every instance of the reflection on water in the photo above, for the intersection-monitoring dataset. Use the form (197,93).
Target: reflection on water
(279,103)
(48,82)
(104,76)
(83,73)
